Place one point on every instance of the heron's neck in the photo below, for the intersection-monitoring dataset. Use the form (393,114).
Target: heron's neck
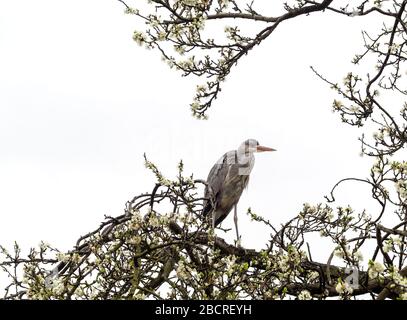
(245,163)
(244,158)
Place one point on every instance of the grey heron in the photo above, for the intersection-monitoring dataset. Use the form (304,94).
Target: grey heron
(227,180)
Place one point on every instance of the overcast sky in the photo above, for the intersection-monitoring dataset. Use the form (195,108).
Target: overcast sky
(80,103)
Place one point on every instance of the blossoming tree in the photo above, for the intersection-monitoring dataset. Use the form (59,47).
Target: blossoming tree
(161,247)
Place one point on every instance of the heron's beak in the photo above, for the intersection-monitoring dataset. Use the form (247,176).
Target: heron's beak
(262,149)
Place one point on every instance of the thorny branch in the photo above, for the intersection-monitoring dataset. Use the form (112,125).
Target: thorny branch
(161,247)
(207,38)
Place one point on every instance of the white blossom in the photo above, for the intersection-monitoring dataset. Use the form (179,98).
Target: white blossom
(343,287)
(79,292)
(161,36)
(129,10)
(375,269)
(58,287)
(139,37)
(138,295)
(399,279)
(313,276)
(179,49)
(401,187)
(330,216)
(136,240)
(223,3)
(135,220)
(323,233)
(154,222)
(378,135)
(396,240)
(304,295)
(63,257)
(339,253)
(388,245)
(191,3)
(230,263)
(44,245)
(201,88)
(358,256)
(182,271)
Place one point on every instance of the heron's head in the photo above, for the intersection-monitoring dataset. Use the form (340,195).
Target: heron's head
(251,146)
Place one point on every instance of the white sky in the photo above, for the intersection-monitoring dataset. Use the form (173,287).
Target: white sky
(80,103)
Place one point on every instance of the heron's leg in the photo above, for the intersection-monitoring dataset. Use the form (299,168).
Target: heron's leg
(213,227)
(237,229)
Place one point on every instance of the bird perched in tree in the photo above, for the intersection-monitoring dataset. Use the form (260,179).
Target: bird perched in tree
(227,180)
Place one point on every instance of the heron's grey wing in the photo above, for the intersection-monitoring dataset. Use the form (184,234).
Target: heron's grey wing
(235,181)
(216,180)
